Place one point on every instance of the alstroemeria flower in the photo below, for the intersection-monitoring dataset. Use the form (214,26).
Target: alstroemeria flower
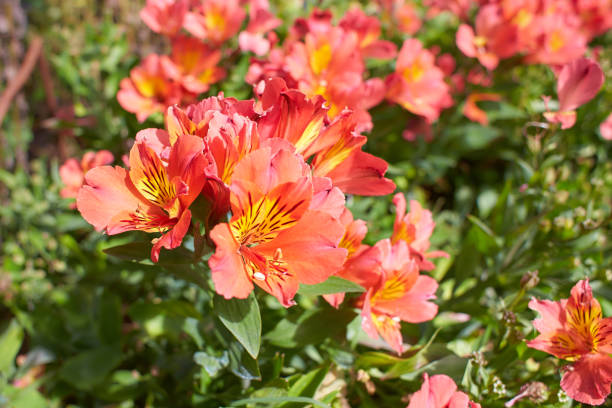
(494,38)
(440,391)
(274,223)
(368,32)
(149,89)
(415,228)
(398,294)
(193,64)
(596,16)
(215,20)
(578,82)
(152,196)
(165,16)
(229,133)
(354,233)
(418,84)
(606,128)
(72,172)
(336,147)
(318,58)
(261,22)
(573,329)
(556,39)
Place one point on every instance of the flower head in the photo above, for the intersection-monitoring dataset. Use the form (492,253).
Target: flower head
(578,82)
(193,64)
(215,20)
(154,195)
(396,292)
(149,89)
(276,219)
(573,329)
(440,391)
(72,172)
(418,84)
(165,16)
(415,228)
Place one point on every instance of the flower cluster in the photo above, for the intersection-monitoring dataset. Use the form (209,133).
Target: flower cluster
(160,81)
(545,32)
(390,272)
(320,58)
(280,167)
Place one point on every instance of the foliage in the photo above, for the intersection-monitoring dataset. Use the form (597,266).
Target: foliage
(522,207)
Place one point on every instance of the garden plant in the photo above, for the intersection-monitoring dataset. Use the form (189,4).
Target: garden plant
(333,203)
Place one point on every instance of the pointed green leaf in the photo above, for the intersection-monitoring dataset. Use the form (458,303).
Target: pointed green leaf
(10,343)
(333,284)
(242,319)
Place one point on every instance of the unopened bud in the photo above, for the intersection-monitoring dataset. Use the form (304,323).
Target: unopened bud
(530,280)
(535,392)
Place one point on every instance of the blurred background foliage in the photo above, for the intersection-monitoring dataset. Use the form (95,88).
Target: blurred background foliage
(523,210)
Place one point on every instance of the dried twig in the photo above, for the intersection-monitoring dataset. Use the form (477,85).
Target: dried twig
(22,76)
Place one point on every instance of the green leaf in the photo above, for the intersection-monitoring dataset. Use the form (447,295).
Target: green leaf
(306,385)
(332,285)
(311,327)
(10,343)
(91,367)
(242,319)
(140,251)
(242,364)
(274,401)
(24,398)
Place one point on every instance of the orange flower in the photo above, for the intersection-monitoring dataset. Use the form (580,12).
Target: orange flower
(440,391)
(215,20)
(578,82)
(149,89)
(165,16)
(415,228)
(72,172)
(193,64)
(573,329)
(321,59)
(494,37)
(368,30)
(152,196)
(398,293)
(276,219)
(418,84)
(336,147)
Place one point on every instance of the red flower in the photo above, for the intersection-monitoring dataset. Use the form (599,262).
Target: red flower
(494,37)
(276,219)
(606,128)
(440,391)
(578,82)
(215,20)
(152,196)
(72,172)
(165,16)
(415,228)
(398,293)
(149,89)
(193,64)
(573,329)
(418,84)
(368,30)
(336,148)
(261,21)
